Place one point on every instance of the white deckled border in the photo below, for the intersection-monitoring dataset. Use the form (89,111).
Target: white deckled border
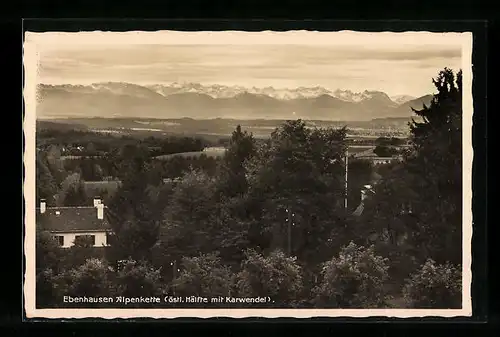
(467,158)
(298,37)
(36,42)
(30,73)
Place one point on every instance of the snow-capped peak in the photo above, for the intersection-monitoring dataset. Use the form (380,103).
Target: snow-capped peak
(225,91)
(229,91)
(401,99)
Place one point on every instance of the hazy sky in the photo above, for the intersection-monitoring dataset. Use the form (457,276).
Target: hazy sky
(395,65)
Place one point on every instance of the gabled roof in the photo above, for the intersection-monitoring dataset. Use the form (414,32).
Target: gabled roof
(71,219)
(361,207)
(367,153)
(370,154)
(359,210)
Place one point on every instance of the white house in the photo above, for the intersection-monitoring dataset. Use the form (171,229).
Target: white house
(386,234)
(371,156)
(172,180)
(68,223)
(365,192)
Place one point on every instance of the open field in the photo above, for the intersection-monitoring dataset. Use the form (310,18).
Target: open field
(217,152)
(216,127)
(215,132)
(209,152)
(359,148)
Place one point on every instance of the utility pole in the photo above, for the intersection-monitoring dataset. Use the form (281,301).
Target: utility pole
(289,221)
(174,274)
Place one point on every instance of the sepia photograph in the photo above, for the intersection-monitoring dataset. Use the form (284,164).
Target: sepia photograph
(247,174)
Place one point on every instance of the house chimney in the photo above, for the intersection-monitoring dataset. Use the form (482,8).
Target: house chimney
(97,201)
(100,211)
(42,206)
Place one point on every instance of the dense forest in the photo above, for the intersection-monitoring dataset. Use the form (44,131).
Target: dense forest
(267,218)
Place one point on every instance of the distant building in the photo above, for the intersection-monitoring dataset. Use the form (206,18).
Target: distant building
(75,157)
(366,192)
(374,158)
(214,149)
(66,224)
(398,237)
(172,180)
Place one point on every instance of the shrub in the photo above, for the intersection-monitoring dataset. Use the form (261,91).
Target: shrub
(276,276)
(354,279)
(90,279)
(434,286)
(203,275)
(46,292)
(138,279)
(385,151)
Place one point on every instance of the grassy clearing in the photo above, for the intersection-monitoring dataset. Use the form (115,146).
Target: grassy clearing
(359,148)
(209,153)
(218,153)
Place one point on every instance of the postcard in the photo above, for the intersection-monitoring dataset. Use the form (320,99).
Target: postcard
(247,174)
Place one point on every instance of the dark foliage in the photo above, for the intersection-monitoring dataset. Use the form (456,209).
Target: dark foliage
(267,219)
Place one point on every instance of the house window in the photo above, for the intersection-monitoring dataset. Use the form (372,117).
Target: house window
(85,240)
(59,239)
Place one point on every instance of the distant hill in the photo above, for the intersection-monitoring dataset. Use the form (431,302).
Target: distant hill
(59,125)
(400,99)
(131,100)
(417,103)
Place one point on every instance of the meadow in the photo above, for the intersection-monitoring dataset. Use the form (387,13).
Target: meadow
(215,152)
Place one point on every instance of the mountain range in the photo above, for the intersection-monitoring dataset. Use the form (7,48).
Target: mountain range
(194,100)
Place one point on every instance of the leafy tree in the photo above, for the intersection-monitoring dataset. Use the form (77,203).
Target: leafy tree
(75,195)
(385,151)
(232,176)
(48,264)
(98,172)
(89,168)
(188,219)
(90,279)
(388,225)
(52,157)
(276,276)
(354,279)
(203,275)
(72,192)
(131,212)
(299,174)
(231,230)
(435,286)
(131,160)
(47,295)
(437,159)
(421,198)
(48,252)
(46,185)
(138,279)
